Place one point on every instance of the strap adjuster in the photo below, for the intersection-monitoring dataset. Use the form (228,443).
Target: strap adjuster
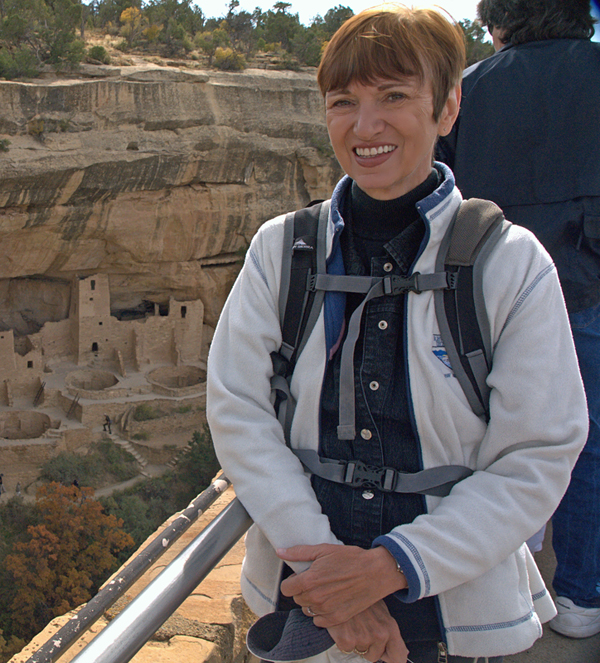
(452,278)
(358,474)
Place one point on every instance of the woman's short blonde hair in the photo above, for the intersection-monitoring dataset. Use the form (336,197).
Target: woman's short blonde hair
(395,41)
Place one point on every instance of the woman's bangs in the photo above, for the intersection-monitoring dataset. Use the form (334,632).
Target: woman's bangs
(369,58)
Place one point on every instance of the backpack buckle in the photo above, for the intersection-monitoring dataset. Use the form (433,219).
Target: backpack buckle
(398,285)
(358,474)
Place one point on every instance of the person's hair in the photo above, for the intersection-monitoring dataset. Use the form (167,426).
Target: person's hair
(394,42)
(535,20)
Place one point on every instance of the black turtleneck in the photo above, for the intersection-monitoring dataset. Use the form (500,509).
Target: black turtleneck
(372,223)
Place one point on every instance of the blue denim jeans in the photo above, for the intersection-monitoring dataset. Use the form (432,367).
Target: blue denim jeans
(576,523)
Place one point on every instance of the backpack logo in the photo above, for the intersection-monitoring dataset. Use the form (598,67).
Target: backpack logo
(301,245)
(440,351)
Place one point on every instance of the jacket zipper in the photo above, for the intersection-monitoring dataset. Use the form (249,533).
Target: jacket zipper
(442,653)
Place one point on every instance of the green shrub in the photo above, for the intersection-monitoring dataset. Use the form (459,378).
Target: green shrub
(4,143)
(288,62)
(145,412)
(142,435)
(97,54)
(119,463)
(66,52)
(273,47)
(36,127)
(105,462)
(138,521)
(187,43)
(227,59)
(67,467)
(183,409)
(21,63)
(198,464)
(145,506)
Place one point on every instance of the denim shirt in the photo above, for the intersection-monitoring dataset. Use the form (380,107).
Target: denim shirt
(385,435)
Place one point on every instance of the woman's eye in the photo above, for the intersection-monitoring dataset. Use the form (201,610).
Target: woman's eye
(339,103)
(396,96)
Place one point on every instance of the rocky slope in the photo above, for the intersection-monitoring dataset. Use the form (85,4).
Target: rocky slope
(156,176)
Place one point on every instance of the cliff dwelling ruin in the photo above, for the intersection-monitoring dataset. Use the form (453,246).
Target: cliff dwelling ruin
(59,383)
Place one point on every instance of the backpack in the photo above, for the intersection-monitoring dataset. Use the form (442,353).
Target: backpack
(458,298)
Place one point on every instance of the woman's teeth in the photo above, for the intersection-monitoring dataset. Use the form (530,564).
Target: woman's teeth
(374,151)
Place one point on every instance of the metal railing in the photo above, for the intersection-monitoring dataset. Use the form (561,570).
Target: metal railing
(125,635)
(128,632)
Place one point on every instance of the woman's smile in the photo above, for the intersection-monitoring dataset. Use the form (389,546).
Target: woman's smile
(369,152)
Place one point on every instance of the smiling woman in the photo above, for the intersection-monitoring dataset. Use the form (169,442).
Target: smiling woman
(363,556)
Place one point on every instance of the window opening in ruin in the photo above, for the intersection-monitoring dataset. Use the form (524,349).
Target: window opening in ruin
(183,311)
(29,364)
(93,284)
(91,299)
(23,346)
(100,323)
(163,309)
(141,311)
(94,347)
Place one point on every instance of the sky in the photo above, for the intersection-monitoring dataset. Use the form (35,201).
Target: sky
(308,9)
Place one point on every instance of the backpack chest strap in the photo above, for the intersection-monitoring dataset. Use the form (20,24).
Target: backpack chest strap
(391,285)
(433,481)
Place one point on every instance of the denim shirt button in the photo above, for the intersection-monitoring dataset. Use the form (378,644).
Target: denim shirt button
(388,267)
(368,495)
(382,324)
(374,386)
(366,434)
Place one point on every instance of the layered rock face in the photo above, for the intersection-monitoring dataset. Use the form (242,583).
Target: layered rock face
(157,177)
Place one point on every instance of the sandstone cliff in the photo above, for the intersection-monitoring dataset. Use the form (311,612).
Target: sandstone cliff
(157,177)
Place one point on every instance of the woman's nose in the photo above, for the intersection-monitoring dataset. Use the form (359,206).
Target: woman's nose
(368,123)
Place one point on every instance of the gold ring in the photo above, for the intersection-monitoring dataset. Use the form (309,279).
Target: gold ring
(360,653)
(345,652)
(310,611)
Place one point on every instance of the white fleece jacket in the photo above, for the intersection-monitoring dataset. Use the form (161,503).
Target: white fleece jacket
(468,548)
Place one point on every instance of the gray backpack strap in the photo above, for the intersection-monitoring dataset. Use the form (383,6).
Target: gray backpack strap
(286,262)
(321,269)
(461,314)
(433,481)
(298,312)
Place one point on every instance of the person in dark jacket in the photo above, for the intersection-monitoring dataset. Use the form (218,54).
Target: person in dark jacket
(528,138)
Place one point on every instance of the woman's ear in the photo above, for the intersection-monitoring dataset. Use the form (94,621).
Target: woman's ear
(450,111)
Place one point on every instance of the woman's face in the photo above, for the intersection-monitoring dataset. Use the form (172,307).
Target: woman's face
(384,134)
